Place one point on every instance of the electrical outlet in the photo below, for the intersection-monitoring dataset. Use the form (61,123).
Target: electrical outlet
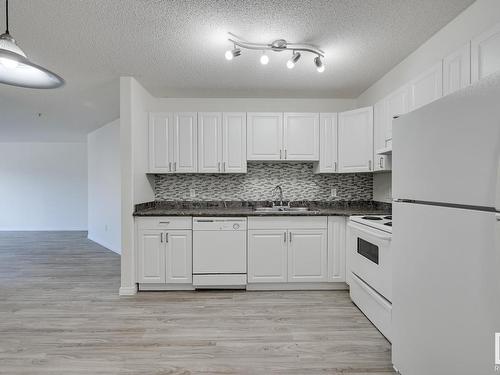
(333,193)
(192,193)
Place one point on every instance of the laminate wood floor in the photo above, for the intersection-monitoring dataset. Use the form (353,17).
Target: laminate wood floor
(60,313)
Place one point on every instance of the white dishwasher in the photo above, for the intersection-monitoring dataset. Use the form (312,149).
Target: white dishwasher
(219,252)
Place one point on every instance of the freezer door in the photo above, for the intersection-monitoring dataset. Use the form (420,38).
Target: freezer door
(448,151)
(446,290)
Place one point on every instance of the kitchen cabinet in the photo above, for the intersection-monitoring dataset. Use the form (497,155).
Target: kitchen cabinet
(264,136)
(456,70)
(164,250)
(267,256)
(328,154)
(222,142)
(301,136)
(355,140)
(287,249)
(485,54)
(336,249)
(396,104)
(161,132)
(282,136)
(307,255)
(172,142)
(380,133)
(427,87)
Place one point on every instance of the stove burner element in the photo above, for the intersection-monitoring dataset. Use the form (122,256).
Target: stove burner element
(389,224)
(371,218)
(388,217)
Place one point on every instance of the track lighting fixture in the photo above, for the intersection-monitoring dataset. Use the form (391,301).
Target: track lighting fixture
(290,64)
(278,45)
(230,54)
(320,67)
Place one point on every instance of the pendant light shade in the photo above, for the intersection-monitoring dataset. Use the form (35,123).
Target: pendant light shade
(17,70)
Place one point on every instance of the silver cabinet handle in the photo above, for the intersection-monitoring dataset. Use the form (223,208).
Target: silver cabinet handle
(170,166)
(381,162)
(286,156)
(290,235)
(218,166)
(224,166)
(166,237)
(369,165)
(284,236)
(161,237)
(164,222)
(280,155)
(335,166)
(175,166)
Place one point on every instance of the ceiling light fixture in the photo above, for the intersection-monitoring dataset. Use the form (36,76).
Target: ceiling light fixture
(235,52)
(290,64)
(320,66)
(17,70)
(264,59)
(278,45)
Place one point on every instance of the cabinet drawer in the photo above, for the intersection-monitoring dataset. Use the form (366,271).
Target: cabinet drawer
(290,222)
(164,222)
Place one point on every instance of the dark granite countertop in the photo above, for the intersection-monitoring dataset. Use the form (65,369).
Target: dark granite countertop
(240,208)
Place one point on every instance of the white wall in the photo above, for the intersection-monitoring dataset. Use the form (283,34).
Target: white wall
(43,186)
(479,17)
(104,186)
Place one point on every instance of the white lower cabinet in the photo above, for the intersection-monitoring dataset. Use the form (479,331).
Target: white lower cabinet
(267,256)
(307,254)
(337,248)
(294,250)
(164,251)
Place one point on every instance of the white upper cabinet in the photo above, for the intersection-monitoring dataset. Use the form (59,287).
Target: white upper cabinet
(427,87)
(264,136)
(209,142)
(161,131)
(485,54)
(301,136)
(234,142)
(396,104)
(328,154)
(185,142)
(355,140)
(456,70)
(381,162)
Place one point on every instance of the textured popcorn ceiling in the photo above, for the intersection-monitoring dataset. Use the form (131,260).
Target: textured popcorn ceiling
(176,48)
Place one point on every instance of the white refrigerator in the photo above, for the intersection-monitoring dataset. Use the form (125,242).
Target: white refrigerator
(446,235)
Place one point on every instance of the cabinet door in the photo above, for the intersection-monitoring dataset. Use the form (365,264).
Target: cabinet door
(485,54)
(336,248)
(179,256)
(427,87)
(301,136)
(267,256)
(209,142)
(328,161)
(381,162)
(160,140)
(396,104)
(264,136)
(456,70)
(185,142)
(307,255)
(234,142)
(356,140)
(151,257)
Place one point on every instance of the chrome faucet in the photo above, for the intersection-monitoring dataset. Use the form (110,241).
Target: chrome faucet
(280,190)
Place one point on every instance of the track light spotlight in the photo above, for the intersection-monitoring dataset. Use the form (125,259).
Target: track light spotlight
(320,67)
(230,54)
(293,60)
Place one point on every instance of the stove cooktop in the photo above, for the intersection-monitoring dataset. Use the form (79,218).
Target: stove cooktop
(380,222)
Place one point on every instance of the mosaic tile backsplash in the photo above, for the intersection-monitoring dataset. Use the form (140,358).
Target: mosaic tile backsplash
(297,180)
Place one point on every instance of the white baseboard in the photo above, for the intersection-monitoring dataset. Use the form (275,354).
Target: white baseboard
(166,287)
(103,244)
(297,286)
(128,290)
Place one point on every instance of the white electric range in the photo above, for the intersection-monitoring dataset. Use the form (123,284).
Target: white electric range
(369,265)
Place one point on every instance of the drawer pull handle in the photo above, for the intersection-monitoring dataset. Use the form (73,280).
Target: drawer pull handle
(164,222)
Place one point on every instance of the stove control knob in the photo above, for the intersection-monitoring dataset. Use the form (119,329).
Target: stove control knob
(236,226)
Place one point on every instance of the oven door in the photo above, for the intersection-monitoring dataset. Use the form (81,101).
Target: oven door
(370,257)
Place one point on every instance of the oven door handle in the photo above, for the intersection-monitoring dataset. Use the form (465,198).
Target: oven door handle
(371,232)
